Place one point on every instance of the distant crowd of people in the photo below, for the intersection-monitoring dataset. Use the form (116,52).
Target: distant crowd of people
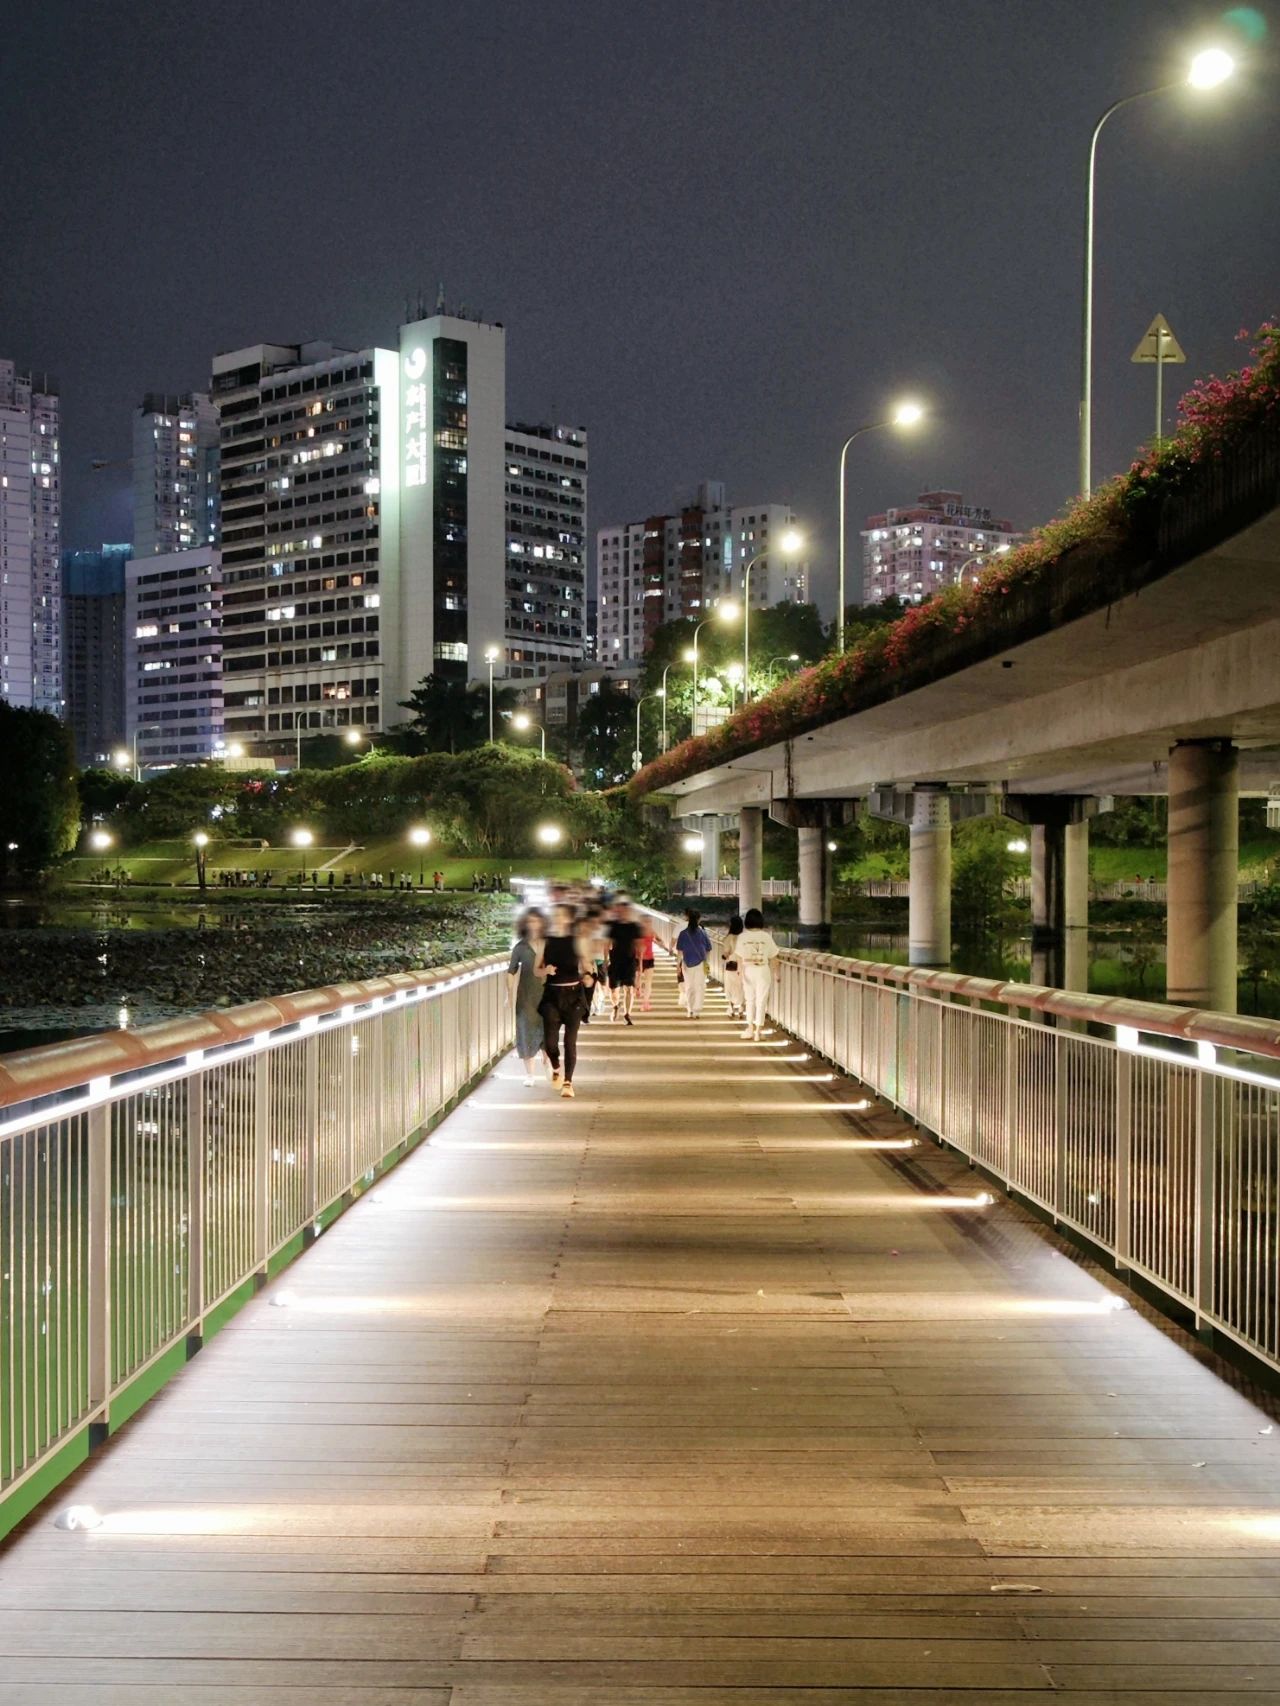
(587,956)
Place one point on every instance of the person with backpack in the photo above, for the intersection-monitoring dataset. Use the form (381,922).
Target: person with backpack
(693,948)
(755,951)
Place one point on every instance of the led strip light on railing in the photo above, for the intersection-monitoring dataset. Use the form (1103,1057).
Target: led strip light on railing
(1206,1058)
(111,1089)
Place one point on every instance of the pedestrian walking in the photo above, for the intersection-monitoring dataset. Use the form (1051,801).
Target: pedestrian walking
(733,991)
(624,937)
(525,989)
(756,951)
(570,981)
(644,966)
(693,947)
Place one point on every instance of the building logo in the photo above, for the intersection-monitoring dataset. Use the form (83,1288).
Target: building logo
(415,418)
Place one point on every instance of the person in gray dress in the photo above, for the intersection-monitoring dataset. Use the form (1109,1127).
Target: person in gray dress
(526,978)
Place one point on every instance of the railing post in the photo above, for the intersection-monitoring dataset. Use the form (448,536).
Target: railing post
(98,1121)
(261,1162)
(1060,1120)
(195,1205)
(311,1124)
(1206,1205)
(1124,1142)
(1009,1123)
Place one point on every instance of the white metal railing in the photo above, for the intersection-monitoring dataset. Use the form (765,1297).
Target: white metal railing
(147,1177)
(726,888)
(1152,1130)
(1019,888)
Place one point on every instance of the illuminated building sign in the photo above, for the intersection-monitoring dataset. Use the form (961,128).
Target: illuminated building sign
(415,418)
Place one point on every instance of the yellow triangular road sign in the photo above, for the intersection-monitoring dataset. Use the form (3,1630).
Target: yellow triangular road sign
(1158,343)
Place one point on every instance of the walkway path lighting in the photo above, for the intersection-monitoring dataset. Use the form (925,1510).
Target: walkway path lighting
(420,838)
(906,414)
(100,840)
(550,834)
(353,737)
(725,611)
(790,545)
(524,722)
(1017,845)
(1209,68)
(201,842)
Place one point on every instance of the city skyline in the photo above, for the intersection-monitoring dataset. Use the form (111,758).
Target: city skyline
(885,280)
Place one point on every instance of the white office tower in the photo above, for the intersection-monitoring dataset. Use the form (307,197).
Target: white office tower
(546,497)
(451,603)
(620,555)
(175,473)
(173,664)
(362,526)
(30,542)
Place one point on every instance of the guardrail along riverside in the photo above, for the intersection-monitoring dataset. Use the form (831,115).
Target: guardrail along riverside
(1154,1134)
(150,1180)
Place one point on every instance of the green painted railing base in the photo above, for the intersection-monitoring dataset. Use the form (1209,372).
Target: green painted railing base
(76,1450)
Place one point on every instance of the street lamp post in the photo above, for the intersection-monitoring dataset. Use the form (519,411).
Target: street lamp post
(1209,68)
(523,721)
(637,757)
(302,839)
(725,611)
(783,657)
(491,656)
(662,694)
(129,760)
(905,415)
(791,542)
(421,839)
(201,841)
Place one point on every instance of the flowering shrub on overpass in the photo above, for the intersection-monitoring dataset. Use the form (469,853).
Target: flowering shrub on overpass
(1097,551)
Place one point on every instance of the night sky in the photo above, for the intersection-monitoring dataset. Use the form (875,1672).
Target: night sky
(719,235)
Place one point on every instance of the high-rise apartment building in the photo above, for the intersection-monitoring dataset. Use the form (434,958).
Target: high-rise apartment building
(30,541)
(546,509)
(175,473)
(362,525)
(670,566)
(93,650)
(913,552)
(173,665)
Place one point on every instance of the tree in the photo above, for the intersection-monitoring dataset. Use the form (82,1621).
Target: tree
(862,620)
(607,728)
(39,799)
(449,715)
(103,791)
(636,848)
(981,867)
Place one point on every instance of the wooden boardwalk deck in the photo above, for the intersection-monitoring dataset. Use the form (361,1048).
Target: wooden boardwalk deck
(702,1388)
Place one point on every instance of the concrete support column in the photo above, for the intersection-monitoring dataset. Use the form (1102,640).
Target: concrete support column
(1075,877)
(1048,883)
(815,892)
(750,856)
(710,847)
(1204,859)
(929,908)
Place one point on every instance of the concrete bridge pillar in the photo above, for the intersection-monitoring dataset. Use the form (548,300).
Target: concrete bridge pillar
(750,856)
(1059,837)
(1204,858)
(710,831)
(929,905)
(815,887)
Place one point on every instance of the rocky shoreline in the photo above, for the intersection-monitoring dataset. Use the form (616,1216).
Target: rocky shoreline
(59,980)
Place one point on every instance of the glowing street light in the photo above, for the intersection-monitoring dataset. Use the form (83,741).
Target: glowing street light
(302,839)
(637,757)
(420,837)
(200,840)
(524,722)
(491,656)
(550,834)
(725,611)
(906,414)
(100,840)
(1017,845)
(353,737)
(1209,68)
(790,545)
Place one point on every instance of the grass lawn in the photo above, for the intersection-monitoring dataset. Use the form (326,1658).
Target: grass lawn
(170,864)
(1124,864)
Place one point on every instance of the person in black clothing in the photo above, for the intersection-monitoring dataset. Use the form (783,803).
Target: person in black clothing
(570,980)
(624,937)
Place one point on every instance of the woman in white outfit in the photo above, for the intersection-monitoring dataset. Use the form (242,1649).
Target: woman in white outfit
(756,951)
(732,971)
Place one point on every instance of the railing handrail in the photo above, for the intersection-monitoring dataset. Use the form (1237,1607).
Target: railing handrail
(52,1069)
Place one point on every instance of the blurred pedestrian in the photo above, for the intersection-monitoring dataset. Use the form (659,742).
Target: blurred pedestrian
(624,938)
(525,989)
(570,981)
(644,966)
(733,991)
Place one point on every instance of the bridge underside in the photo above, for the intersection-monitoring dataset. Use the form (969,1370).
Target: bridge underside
(1092,707)
(709,1386)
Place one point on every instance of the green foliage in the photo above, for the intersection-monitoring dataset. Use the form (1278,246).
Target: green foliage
(103,792)
(607,730)
(39,800)
(636,848)
(1132,823)
(981,867)
(449,715)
